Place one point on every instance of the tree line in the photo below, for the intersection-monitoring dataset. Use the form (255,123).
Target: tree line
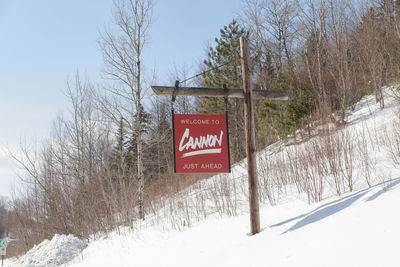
(106,161)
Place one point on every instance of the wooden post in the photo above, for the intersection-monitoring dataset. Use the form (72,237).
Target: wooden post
(250,139)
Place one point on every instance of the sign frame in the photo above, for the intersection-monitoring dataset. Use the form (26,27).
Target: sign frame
(201,143)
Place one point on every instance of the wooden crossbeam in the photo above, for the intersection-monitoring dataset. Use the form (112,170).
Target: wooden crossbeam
(220,92)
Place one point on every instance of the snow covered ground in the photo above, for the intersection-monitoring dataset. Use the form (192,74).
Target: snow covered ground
(359,228)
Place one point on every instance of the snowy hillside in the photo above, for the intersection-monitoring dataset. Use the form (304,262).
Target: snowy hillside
(357,228)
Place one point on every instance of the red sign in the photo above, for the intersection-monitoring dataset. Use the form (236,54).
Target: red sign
(201,144)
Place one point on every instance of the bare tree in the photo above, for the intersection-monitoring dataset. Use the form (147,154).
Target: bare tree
(370,47)
(313,24)
(274,25)
(123,55)
(339,53)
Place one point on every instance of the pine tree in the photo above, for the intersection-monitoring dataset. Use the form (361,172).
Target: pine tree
(160,152)
(119,151)
(131,144)
(226,53)
(281,120)
(296,113)
(264,70)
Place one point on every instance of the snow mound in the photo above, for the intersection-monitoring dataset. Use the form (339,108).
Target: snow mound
(60,249)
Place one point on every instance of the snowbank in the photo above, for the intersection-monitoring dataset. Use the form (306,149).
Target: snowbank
(60,249)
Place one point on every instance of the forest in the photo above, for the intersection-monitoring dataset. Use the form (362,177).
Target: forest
(109,162)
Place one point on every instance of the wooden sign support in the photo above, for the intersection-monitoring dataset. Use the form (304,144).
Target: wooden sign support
(250,139)
(248,94)
(219,92)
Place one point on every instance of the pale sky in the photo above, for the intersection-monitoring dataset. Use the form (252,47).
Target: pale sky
(44,42)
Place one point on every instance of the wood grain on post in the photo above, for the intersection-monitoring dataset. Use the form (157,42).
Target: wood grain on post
(250,140)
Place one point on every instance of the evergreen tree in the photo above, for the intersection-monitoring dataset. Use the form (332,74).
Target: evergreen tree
(269,115)
(131,147)
(119,150)
(160,152)
(226,53)
(280,120)
(264,69)
(296,113)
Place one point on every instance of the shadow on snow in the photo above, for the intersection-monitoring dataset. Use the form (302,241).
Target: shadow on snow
(391,184)
(335,206)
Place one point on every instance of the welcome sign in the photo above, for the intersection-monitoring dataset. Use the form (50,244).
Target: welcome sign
(200,144)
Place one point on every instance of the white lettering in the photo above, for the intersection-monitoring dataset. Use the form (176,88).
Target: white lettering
(211,166)
(195,121)
(200,145)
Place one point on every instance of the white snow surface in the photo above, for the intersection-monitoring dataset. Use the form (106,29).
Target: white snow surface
(359,228)
(60,249)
